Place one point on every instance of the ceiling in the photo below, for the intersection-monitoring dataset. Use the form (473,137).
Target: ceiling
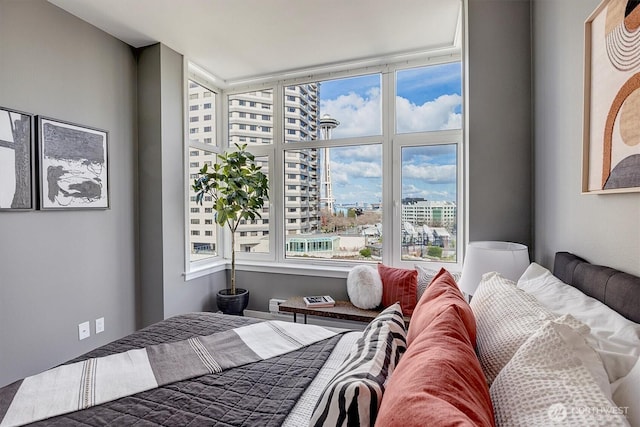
(239,40)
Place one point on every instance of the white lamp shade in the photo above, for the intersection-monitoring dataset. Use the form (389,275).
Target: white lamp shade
(508,259)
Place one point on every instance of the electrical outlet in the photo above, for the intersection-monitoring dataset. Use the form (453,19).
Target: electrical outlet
(84,330)
(99,325)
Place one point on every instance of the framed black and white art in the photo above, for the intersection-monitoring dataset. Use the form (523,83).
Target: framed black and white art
(16,160)
(73,166)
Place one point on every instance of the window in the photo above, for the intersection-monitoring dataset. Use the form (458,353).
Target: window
(346,153)
(202,144)
(429,98)
(429,208)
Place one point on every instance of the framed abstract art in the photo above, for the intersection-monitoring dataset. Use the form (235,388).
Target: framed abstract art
(611,145)
(16,160)
(73,166)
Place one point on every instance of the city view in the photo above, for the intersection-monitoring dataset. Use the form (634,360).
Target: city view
(333,193)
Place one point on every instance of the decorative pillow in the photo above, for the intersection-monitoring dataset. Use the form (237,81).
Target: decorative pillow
(578,340)
(442,293)
(438,381)
(615,338)
(353,396)
(505,317)
(546,383)
(399,285)
(426,275)
(627,393)
(364,287)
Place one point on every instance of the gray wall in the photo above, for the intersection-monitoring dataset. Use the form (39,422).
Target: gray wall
(499,136)
(163,291)
(58,269)
(605,229)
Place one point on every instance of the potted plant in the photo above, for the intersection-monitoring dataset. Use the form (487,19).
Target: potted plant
(238,189)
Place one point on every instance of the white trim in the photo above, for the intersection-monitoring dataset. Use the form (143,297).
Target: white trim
(219,265)
(198,268)
(346,68)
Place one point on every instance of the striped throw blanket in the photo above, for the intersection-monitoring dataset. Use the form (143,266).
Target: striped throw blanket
(81,385)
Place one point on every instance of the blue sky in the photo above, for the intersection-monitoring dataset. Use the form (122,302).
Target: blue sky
(428,98)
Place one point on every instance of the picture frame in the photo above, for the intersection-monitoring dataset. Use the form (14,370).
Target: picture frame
(73,165)
(17,171)
(611,127)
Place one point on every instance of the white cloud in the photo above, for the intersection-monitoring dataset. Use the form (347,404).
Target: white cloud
(412,191)
(438,114)
(347,172)
(358,115)
(361,115)
(442,174)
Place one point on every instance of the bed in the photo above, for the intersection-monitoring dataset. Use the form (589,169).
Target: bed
(458,363)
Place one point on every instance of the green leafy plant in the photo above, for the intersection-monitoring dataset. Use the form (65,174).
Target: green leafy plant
(366,252)
(238,189)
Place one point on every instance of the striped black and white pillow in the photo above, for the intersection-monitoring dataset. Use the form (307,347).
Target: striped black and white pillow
(353,395)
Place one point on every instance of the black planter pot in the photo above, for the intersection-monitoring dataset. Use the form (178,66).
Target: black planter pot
(229,303)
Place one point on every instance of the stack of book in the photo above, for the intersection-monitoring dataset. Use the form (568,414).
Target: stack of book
(319,301)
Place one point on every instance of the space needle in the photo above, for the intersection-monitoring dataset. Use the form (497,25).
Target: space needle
(327,123)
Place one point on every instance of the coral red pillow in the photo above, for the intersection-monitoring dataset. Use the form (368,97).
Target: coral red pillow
(438,381)
(441,293)
(399,285)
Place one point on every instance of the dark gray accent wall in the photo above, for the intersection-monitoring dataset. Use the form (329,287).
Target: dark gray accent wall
(162,187)
(58,269)
(604,229)
(499,137)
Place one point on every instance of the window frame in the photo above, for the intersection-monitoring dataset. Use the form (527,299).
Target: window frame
(392,144)
(197,75)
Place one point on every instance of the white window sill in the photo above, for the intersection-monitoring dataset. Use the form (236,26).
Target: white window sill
(300,269)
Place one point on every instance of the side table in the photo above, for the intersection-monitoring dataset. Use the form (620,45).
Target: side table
(341,310)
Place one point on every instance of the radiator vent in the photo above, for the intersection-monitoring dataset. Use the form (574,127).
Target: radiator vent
(274,305)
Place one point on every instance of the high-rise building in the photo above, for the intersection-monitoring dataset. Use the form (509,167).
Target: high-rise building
(251,121)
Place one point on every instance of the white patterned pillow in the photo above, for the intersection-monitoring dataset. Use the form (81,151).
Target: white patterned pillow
(548,383)
(426,275)
(353,395)
(505,318)
(615,338)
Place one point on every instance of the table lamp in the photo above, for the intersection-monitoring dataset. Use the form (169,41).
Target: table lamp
(507,258)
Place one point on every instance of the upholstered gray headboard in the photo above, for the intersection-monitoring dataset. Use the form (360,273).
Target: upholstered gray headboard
(618,290)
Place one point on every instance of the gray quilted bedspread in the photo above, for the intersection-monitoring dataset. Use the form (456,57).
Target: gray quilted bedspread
(259,394)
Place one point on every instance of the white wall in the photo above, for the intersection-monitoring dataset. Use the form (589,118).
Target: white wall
(58,269)
(604,229)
